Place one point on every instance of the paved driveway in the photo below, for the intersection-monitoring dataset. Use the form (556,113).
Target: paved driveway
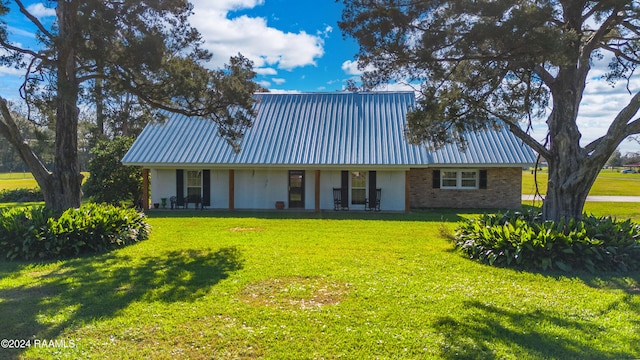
(596,198)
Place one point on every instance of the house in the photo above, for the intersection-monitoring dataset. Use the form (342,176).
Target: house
(304,150)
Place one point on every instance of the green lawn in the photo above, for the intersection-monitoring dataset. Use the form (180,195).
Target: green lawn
(282,285)
(11,181)
(19,180)
(609,182)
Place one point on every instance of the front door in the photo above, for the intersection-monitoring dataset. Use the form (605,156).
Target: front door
(296,189)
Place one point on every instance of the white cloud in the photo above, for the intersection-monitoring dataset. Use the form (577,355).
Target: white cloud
(279,81)
(264,83)
(399,86)
(266,46)
(234,5)
(10,71)
(350,67)
(280,91)
(601,103)
(20,32)
(325,33)
(40,11)
(266,71)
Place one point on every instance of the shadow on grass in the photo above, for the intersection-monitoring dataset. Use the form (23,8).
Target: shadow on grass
(98,287)
(477,336)
(427,215)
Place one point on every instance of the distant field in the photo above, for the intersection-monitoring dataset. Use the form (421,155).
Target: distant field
(609,182)
(11,181)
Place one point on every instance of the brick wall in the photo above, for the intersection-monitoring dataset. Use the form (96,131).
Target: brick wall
(504,191)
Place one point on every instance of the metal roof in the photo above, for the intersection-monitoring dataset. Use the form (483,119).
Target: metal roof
(319,129)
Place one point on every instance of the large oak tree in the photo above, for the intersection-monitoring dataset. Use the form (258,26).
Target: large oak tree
(487,63)
(141,47)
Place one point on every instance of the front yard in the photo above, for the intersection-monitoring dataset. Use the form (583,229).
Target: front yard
(282,285)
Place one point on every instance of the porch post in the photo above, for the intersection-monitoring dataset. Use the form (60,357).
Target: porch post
(145,189)
(232,190)
(317,199)
(407,191)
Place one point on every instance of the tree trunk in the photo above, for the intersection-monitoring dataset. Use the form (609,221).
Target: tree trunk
(10,131)
(65,189)
(567,191)
(569,181)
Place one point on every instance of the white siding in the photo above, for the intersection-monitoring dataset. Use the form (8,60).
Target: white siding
(261,188)
(219,189)
(163,185)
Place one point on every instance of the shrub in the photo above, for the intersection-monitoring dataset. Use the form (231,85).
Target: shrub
(21,195)
(36,233)
(524,241)
(110,181)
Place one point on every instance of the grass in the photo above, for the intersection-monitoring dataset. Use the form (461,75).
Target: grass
(20,180)
(16,175)
(288,285)
(609,182)
(12,181)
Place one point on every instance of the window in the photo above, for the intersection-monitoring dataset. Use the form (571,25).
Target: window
(449,179)
(358,187)
(468,179)
(194,183)
(459,179)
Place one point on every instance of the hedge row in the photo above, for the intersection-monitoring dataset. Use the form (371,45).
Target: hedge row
(37,233)
(21,195)
(524,241)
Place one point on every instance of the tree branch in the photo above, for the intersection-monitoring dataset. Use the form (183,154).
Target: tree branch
(34,20)
(527,139)
(544,75)
(517,131)
(20,50)
(620,128)
(10,131)
(599,34)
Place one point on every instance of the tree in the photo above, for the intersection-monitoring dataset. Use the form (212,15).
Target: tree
(147,48)
(631,158)
(615,160)
(36,134)
(110,181)
(490,63)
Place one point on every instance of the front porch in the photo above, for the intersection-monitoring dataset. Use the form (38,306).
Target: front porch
(265,189)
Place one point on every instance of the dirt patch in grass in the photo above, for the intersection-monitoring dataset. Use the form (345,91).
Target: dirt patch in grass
(295,292)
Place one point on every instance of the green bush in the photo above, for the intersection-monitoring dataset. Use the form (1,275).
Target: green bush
(524,241)
(37,233)
(110,181)
(21,195)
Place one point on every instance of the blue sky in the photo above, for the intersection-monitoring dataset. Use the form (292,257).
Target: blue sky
(296,46)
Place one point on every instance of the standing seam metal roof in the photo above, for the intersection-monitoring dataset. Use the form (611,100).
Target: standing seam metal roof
(320,129)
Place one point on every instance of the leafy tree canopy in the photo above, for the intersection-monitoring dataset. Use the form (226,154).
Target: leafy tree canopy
(488,63)
(146,48)
(110,181)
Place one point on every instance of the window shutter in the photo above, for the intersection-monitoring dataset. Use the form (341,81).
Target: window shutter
(206,187)
(344,189)
(372,187)
(483,179)
(180,187)
(436,179)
